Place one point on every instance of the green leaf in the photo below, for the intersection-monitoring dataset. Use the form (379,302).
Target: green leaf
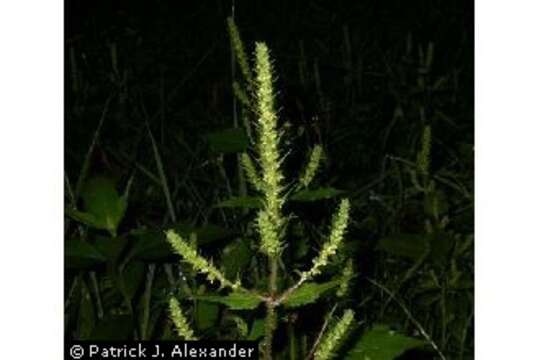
(111,248)
(87,316)
(149,245)
(228,141)
(309,293)
(206,314)
(257,330)
(246,202)
(81,254)
(235,258)
(411,246)
(131,279)
(316,194)
(235,300)
(381,343)
(103,207)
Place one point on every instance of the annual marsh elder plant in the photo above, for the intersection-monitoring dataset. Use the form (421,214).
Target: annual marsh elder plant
(265,174)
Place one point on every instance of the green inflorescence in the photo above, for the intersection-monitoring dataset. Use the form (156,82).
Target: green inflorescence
(200,264)
(424,155)
(239,51)
(330,247)
(334,337)
(179,320)
(265,175)
(312,166)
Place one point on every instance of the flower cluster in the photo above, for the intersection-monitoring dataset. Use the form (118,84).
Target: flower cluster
(238,48)
(423,157)
(251,172)
(200,264)
(312,166)
(179,320)
(334,337)
(268,144)
(346,277)
(330,247)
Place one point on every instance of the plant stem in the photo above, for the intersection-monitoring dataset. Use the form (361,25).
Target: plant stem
(273,277)
(270,326)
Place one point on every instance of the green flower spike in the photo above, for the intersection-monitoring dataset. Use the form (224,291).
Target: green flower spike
(251,172)
(200,264)
(268,145)
(334,337)
(345,279)
(238,48)
(312,166)
(339,225)
(179,320)
(423,157)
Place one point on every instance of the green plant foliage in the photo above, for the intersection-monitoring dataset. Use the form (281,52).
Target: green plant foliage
(236,257)
(244,202)
(234,301)
(316,194)
(152,245)
(104,208)
(381,343)
(81,254)
(257,330)
(309,293)
(334,337)
(235,229)
(206,315)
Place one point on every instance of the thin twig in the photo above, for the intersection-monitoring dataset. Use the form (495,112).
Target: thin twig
(321,333)
(409,315)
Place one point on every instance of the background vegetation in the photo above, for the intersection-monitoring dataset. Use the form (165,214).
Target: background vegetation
(153,133)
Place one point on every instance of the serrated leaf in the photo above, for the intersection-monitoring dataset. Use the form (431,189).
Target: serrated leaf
(246,202)
(235,301)
(381,343)
(228,141)
(103,207)
(81,254)
(309,293)
(316,194)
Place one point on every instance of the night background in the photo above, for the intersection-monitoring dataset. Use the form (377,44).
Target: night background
(153,135)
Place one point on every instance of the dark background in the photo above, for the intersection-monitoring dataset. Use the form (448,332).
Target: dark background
(349,76)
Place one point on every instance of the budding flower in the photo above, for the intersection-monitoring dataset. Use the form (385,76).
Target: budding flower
(200,264)
(346,277)
(251,172)
(271,220)
(312,166)
(238,48)
(334,337)
(337,232)
(179,320)
(423,157)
